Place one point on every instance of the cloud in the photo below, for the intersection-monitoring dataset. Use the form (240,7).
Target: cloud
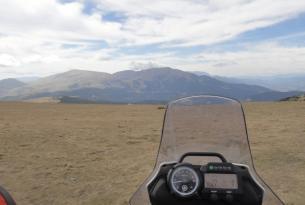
(263,58)
(7,60)
(189,22)
(198,22)
(48,36)
(49,20)
(137,66)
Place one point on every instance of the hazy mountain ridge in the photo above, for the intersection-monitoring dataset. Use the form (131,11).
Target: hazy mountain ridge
(71,80)
(281,83)
(151,85)
(275,95)
(9,84)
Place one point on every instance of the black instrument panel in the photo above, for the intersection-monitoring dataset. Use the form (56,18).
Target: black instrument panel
(211,184)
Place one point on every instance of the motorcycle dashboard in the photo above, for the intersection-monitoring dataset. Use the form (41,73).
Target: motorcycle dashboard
(213,183)
(185,180)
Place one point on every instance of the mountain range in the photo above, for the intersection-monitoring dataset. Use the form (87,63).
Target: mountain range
(276,82)
(155,85)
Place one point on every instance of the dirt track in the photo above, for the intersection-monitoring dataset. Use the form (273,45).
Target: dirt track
(98,154)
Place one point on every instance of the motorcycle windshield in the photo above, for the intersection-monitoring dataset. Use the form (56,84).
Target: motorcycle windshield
(204,124)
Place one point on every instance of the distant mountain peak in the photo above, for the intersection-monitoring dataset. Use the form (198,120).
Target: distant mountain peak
(9,84)
(200,73)
(158,84)
(152,69)
(80,71)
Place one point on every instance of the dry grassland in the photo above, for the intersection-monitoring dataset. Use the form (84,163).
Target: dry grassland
(98,154)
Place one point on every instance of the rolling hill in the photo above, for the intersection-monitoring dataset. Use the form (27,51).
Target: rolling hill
(146,86)
(9,84)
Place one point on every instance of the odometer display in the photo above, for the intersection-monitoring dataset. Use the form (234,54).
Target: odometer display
(220,181)
(184,181)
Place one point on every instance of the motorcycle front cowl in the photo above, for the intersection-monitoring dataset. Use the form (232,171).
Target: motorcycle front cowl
(204,124)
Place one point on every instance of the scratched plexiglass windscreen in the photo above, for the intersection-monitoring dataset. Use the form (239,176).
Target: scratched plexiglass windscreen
(204,124)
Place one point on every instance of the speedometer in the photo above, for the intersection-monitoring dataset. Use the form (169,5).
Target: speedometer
(184,181)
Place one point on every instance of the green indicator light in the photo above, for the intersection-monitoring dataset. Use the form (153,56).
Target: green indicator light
(211,167)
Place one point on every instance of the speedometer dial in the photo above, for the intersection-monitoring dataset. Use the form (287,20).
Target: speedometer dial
(184,181)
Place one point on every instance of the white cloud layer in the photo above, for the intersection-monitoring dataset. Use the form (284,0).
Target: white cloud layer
(199,22)
(45,37)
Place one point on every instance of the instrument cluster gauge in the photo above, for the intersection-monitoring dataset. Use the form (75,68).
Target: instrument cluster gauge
(184,181)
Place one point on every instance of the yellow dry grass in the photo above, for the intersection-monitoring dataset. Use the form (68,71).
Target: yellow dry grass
(99,154)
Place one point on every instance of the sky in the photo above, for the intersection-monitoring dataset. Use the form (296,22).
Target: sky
(220,37)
